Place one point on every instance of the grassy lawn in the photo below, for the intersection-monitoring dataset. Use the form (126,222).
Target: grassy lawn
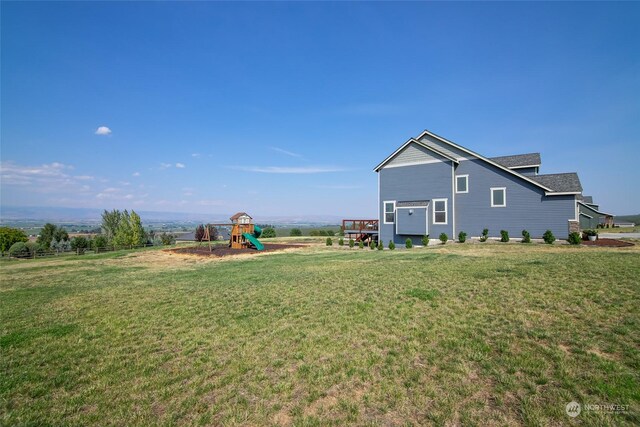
(497,334)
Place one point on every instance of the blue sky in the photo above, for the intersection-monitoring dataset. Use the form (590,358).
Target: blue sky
(285,108)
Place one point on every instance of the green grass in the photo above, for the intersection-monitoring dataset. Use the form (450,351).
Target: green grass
(456,334)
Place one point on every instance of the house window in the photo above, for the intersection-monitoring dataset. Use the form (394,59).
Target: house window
(498,197)
(462,183)
(389,212)
(439,211)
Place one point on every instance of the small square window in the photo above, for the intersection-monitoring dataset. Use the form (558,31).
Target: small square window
(498,197)
(462,183)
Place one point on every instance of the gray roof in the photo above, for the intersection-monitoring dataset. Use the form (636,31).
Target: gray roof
(412,203)
(560,182)
(587,199)
(518,160)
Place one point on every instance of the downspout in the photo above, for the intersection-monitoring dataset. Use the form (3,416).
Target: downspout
(453,199)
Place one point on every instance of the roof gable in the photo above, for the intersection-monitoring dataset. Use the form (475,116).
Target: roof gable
(560,182)
(428,154)
(238,215)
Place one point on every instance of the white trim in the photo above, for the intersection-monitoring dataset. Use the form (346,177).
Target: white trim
(584,214)
(421,144)
(453,198)
(446,211)
(504,197)
(379,222)
(467,181)
(593,209)
(426,217)
(384,211)
(526,166)
(537,184)
(426,162)
(563,193)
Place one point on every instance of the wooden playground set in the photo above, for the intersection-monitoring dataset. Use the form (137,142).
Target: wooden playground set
(244,233)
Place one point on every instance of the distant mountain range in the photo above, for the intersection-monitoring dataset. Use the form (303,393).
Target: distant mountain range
(10,214)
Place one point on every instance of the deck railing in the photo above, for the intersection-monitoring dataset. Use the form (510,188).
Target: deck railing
(360,224)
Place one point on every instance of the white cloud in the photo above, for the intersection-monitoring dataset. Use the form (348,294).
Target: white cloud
(288,153)
(339,187)
(48,177)
(165,165)
(289,170)
(103,130)
(135,174)
(195,155)
(180,165)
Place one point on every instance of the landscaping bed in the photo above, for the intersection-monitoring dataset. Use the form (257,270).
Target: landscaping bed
(221,251)
(611,243)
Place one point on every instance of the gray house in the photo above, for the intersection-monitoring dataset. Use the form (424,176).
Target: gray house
(431,185)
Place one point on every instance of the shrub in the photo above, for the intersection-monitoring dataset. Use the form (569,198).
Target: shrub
(462,237)
(526,237)
(408,243)
(61,246)
(504,236)
(323,233)
(485,235)
(574,238)
(425,240)
(295,232)
(19,249)
(329,241)
(548,237)
(331,232)
(361,244)
(380,246)
(9,236)
(341,242)
(392,245)
(268,232)
(590,233)
(372,245)
(167,239)
(34,248)
(351,243)
(100,242)
(444,238)
(79,242)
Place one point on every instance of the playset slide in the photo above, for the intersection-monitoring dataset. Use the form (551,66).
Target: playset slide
(253,238)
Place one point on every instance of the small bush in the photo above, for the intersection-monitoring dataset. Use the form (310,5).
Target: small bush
(168,239)
(372,245)
(34,248)
(526,237)
(329,241)
(590,233)
(574,238)
(485,235)
(504,236)
(100,242)
(341,242)
(548,237)
(462,237)
(361,244)
(79,242)
(392,245)
(425,240)
(380,246)
(351,243)
(408,243)
(19,249)
(444,238)
(295,232)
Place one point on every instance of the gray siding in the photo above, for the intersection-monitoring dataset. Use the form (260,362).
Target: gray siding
(586,222)
(443,147)
(413,153)
(526,171)
(527,206)
(418,182)
(411,221)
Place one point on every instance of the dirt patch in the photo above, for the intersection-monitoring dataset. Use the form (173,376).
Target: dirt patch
(223,251)
(610,243)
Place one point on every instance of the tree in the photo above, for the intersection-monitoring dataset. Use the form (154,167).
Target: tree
(9,236)
(199,233)
(61,235)
(295,232)
(46,235)
(124,234)
(138,235)
(213,232)
(268,232)
(110,223)
(79,242)
(100,242)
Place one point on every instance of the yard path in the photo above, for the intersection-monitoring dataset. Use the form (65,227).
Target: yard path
(619,235)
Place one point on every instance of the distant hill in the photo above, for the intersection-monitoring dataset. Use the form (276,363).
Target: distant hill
(628,218)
